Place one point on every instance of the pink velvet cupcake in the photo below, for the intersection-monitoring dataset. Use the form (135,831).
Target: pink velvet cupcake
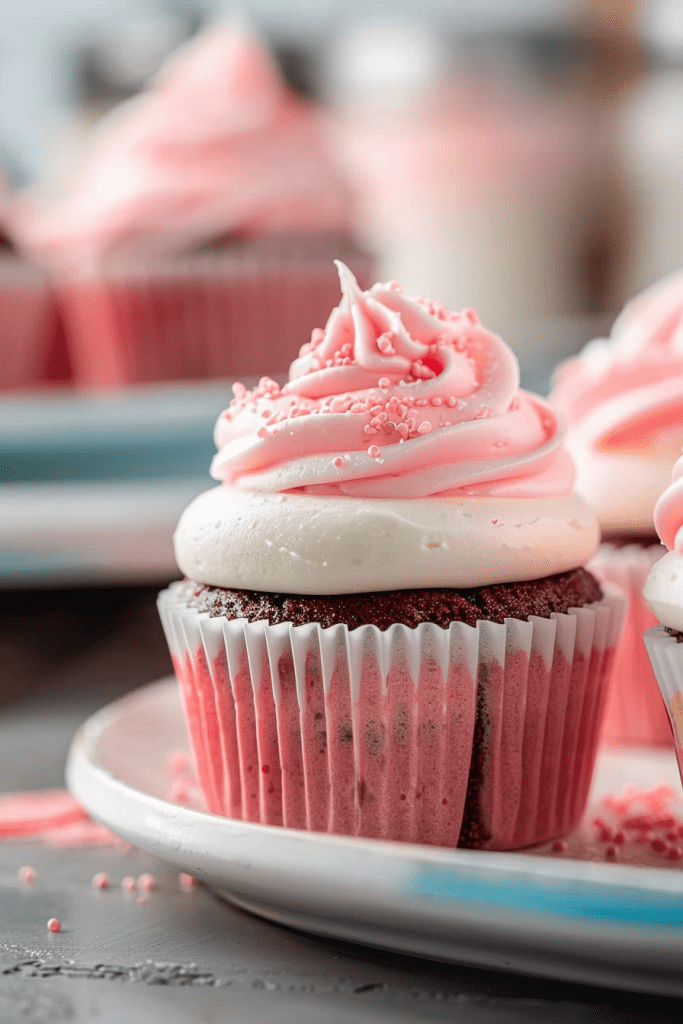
(664,593)
(623,399)
(385,627)
(197,237)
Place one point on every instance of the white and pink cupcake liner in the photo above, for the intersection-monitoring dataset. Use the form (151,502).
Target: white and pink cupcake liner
(208,315)
(635,713)
(481,736)
(666,655)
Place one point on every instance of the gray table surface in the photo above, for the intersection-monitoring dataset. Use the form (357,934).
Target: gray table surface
(189,957)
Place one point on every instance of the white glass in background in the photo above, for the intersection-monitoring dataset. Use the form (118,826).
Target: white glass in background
(470,191)
(652,145)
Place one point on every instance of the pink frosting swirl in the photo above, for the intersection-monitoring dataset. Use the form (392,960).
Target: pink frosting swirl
(625,394)
(216,146)
(669,512)
(395,398)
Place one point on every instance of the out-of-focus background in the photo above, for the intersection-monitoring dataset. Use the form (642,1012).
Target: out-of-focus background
(524,157)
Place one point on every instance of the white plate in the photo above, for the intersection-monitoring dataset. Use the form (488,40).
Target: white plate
(571,919)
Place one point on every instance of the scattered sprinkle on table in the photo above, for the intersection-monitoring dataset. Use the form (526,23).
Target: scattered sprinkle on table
(54,925)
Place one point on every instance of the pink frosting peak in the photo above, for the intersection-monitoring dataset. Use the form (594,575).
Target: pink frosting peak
(217,146)
(669,512)
(395,398)
(625,394)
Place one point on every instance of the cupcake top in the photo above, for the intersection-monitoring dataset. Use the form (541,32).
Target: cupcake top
(218,146)
(664,586)
(623,399)
(400,453)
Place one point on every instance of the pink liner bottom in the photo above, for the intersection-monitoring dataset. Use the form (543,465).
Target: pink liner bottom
(203,318)
(482,737)
(635,711)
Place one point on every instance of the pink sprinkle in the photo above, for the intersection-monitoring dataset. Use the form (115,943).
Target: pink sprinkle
(451,401)
(27,874)
(178,762)
(425,427)
(383,382)
(128,884)
(559,846)
(338,463)
(658,845)
(142,900)
(180,791)
(186,882)
(101,880)
(54,925)
(639,822)
(374,451)
(437,401)
(147,882)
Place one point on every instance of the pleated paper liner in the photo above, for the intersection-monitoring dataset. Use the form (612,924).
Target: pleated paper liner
(213,314)
(482,737)
(635,713)
(27,324)
(666,656)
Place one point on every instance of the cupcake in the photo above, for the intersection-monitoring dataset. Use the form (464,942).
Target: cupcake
(385,628)
(623,399)
(196,238)
(664,593)
(28,325)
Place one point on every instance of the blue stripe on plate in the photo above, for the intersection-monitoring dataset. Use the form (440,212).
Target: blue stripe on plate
(553,897)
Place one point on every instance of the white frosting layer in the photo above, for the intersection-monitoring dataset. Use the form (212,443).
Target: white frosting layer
(623,489)
(309,544)
(663,590)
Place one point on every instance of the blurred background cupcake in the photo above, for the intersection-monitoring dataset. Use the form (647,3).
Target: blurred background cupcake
(623,399)
(195,238)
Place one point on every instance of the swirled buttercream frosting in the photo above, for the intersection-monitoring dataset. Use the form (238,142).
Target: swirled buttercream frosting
(623,400)
(395,398)
(664,586)
(400,453)
(217,146)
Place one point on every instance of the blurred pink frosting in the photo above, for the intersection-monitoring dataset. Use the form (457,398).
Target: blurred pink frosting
(395,398)
(669,512)
(623,400)
(217,146)
(626,392)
